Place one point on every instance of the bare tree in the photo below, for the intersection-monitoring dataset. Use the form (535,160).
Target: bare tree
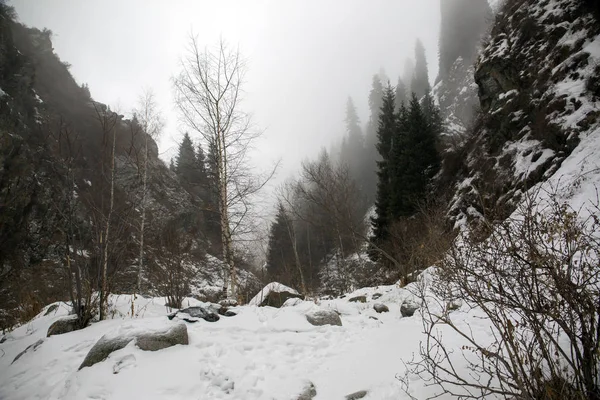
(151,124)
(208,94)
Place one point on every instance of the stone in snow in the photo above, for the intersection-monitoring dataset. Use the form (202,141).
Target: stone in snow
(376,296)
(64,325)
(308,393)
(361,299)
(408,308)
(324,317)
(194,314)
(357,395)
(380,308)
(30,348)
(274,295)
(149,341)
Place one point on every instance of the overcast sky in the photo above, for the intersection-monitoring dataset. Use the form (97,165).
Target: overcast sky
(305,57)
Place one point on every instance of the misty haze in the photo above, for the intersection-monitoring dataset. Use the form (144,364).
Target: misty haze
(300,200)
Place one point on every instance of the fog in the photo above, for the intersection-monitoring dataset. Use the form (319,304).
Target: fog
(304,57)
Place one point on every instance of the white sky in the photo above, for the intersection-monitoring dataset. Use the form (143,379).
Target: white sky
(305,57)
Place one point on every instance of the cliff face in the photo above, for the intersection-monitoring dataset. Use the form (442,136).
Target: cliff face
(463,25)
(537,79)
(55,158)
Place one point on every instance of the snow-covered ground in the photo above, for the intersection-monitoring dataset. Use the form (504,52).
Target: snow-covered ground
(262,353)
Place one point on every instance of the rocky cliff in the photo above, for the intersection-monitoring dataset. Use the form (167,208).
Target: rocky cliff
(537,79)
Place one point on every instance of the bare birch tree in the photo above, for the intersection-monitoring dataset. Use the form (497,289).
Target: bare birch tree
(151,124)
(208,93)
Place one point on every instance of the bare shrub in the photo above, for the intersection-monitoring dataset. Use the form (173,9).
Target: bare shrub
(536,280)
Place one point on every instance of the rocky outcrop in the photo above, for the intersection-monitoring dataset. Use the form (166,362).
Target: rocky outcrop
(324,317)
(148,341)
(532,79)
(274,295)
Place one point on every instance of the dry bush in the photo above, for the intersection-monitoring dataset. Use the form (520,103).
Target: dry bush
(536,280)
(419,241)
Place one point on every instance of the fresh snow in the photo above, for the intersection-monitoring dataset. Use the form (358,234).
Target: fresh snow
(262,353)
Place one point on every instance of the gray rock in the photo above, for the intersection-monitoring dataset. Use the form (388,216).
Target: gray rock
(194,314)
(102,349)
(454,305)
(147,341)
(408,308)
(357,395)
(162,340)
(380,308)
(376,296)
(3,339)
(324,317)
(64,325)
(51,309)
(30,348)
(308,393)
(362,299)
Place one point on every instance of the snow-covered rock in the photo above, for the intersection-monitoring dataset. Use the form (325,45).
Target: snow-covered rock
(380,308)
(275,295)
(148,341)
(408,308)
(63,325)
(324,317)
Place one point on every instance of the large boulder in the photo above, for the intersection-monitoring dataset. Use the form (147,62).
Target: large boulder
(148,341)
(408,308)
(64,325)
(324,317)
(274,295)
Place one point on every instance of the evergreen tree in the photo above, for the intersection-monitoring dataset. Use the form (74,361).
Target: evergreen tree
(172,165)
(353,147)
(371,156)
(432,115)
(415,161)
(281,265)
(385,133)
(401,93)
(186,160)
(420,81)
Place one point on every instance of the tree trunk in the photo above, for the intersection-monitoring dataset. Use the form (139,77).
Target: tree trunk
(143,218)
(104,296)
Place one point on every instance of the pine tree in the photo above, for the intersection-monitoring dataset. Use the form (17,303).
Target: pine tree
(371,157)
(415,161)
(385,132)
(353,147)
(186,160)
(420,82)
(401,93)
(432,114)
(280,254)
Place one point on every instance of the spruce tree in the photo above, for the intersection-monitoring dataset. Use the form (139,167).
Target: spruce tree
(415,161)
(420,82)
(385,132)
(401,93)
(432,114)
(280,254)
(186,160)
(371,156)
